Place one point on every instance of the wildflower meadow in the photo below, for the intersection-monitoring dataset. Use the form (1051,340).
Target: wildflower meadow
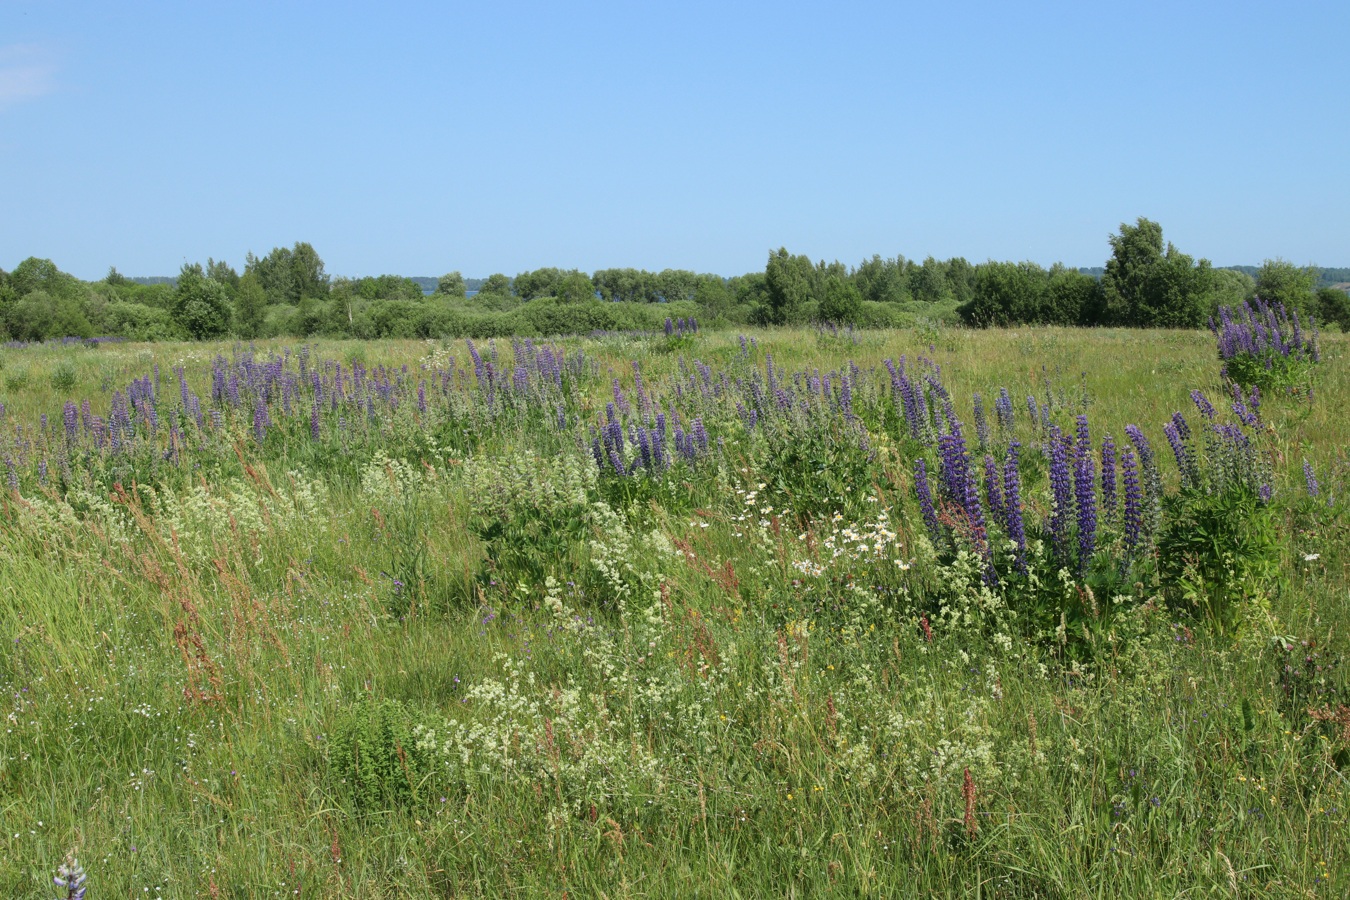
(810,612)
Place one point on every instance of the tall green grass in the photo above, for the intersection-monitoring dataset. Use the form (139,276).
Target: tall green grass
(635,692)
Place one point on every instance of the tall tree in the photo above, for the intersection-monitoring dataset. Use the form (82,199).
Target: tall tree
(1147,286)
(576,287)
(250,307)
(789,284)
(450,284)
(496,283)
(201,304)
(287,276)
(1280,281)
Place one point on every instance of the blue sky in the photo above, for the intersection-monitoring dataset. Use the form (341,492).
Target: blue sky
(417,138)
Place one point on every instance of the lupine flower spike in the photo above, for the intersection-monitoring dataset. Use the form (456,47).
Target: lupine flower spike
(70,877)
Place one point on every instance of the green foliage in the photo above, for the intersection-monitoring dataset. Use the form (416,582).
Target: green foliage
(1147,287)
(625,285)
(288,276)
(64,377)
(1271,371)
(374,759)
(140,322)
(1005,294)
(842,303)
(1217,551)
(1333,306)
(539,283)
(451,285)
(1280,282)
(818,470)
(575,287)
(201,304)
(35,274)
(496,283)
(1230,288)
(884,280)
(789,285)
(250,307)
(38,315)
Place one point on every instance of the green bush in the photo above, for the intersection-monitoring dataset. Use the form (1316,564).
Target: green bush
(373,755)
(63,376)
(1216,551)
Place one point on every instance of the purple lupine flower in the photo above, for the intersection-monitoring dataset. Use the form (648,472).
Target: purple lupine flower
(1085,497)
(70,877)
(644,448)
(1177,433)
(617,461)
(1003,410)
(260,421)
(991,488)
(11,474)
(698,434)
(1058,447)
(1012,506)
(71,417)
(955,466)
(1202,403)
(1149,476)
(314,420)
(979,532)
(1108,479)
(925,495)
(981,422)
(1310,479)
(1134,500)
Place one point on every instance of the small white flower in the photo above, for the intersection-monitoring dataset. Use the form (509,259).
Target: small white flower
(1309,557)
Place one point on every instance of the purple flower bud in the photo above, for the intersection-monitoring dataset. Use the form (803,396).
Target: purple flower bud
(925,495)
(1310,479)
(1012,505)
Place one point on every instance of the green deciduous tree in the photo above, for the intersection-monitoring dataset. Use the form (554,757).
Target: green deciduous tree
(496,283)
(575,287)
(201,304)
(625,285)
(841,302)
(538,283)
(1229,287)
(1333,305)
(1004,294)
(1148,286)
(450,285)
(287,276)
(928,282)
(673,285)
(35,274)
(789,285)
(882,280)
(250,307)
(1279,281)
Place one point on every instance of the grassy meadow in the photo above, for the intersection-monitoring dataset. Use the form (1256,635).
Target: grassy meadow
(668,616)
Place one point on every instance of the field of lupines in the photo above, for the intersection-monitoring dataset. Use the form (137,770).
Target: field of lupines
(1035,613)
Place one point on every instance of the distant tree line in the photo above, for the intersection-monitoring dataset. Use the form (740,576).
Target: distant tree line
(1146,283)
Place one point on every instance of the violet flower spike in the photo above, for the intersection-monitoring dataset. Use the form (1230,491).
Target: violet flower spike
(71,878)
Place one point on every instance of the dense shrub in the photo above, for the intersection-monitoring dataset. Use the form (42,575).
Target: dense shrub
(374,758)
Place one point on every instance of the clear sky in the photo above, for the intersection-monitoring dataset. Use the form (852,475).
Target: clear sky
(417,138)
